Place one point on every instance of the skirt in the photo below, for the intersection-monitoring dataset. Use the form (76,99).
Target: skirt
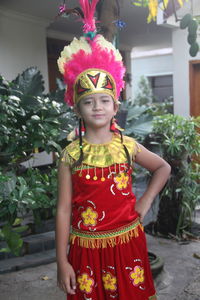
(112,265)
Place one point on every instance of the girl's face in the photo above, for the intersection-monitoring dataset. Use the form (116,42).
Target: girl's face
(97,110)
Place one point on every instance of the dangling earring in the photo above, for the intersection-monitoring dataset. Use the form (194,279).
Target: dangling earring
(83,129)
(113,125)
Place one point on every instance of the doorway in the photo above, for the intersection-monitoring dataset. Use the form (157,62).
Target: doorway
(194,66)
(54,47)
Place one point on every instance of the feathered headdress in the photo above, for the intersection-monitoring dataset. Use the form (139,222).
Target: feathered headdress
(91,64)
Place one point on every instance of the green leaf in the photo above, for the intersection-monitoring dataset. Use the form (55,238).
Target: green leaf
(20,229)
(31,84)
(185,21)
(194,48)
(192,27)
(35,118)
(12,208)
(55,145)
(5,250)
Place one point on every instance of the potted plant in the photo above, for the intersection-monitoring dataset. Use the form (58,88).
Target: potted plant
(179,142)
(29,119)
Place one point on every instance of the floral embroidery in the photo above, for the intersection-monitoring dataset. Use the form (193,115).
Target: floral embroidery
(137,276)
(89,217)
(109,282)
(121,180)
(85,283)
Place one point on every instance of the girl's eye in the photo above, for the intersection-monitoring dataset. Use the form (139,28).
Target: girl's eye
(106,100)
(87,102)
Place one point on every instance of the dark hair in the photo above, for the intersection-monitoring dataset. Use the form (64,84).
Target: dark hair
(125,149)
(79,161)
(81,157)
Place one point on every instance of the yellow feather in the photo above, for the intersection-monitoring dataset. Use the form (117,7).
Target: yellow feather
(106,44)
(71,49)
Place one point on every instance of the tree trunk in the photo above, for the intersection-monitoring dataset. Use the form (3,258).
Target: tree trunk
(108,12)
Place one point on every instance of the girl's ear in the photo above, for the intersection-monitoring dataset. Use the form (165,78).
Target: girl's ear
(77,111)
(116,107)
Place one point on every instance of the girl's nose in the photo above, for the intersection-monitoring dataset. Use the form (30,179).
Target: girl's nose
(96,105)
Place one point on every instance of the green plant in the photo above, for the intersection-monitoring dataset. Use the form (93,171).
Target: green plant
(30,119)
(44,192)
(13,240)
(144,95)
(138,120)
(177,135)
(11,235)
(10,207)
(178,140)
(34,192)
(161,108)
(192,25)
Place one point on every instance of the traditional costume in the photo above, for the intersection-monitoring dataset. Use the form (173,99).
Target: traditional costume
(107,243)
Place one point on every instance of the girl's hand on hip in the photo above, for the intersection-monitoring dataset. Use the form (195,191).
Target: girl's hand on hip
(142,206)
(66,278)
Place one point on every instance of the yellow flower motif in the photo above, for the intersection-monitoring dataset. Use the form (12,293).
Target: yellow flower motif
(85,283)
(137,275)
(89,217)
(109,282)
(122,180)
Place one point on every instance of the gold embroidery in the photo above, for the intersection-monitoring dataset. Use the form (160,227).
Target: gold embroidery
(101,155)
(85,282)
(137,276)
(109,282)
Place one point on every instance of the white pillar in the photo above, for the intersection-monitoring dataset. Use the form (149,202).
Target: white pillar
(181,60)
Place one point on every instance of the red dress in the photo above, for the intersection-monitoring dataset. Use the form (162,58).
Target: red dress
(108,246)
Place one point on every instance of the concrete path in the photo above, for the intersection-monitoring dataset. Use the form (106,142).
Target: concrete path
(180,279)
(28,284)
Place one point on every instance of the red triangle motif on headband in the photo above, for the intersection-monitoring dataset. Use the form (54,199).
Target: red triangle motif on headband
(108,84)
(94,79)
(81,89)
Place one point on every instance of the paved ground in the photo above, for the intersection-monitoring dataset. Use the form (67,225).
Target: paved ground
(180,279)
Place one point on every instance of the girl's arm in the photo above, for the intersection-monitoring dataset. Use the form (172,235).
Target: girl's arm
(66,275)
(160,169)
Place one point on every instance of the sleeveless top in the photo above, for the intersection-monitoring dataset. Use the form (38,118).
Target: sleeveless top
(102,202)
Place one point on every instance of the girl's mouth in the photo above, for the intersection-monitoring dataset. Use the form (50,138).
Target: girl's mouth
(97,116)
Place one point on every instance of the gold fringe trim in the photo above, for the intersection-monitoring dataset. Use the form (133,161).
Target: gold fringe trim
(103,240)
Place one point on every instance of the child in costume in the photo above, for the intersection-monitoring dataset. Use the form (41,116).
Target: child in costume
(108,257)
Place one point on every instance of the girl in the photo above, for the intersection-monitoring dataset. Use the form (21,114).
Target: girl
(108,257)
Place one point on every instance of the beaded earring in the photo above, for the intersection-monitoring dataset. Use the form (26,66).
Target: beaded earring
(113,125)
(83,129)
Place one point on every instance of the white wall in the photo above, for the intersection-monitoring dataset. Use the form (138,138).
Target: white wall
(181,60)
(22,44)
(150,66)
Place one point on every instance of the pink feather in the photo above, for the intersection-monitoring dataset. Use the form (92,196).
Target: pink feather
(88,9)
(99,58)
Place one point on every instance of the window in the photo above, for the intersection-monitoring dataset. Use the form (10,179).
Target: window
(162,87)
